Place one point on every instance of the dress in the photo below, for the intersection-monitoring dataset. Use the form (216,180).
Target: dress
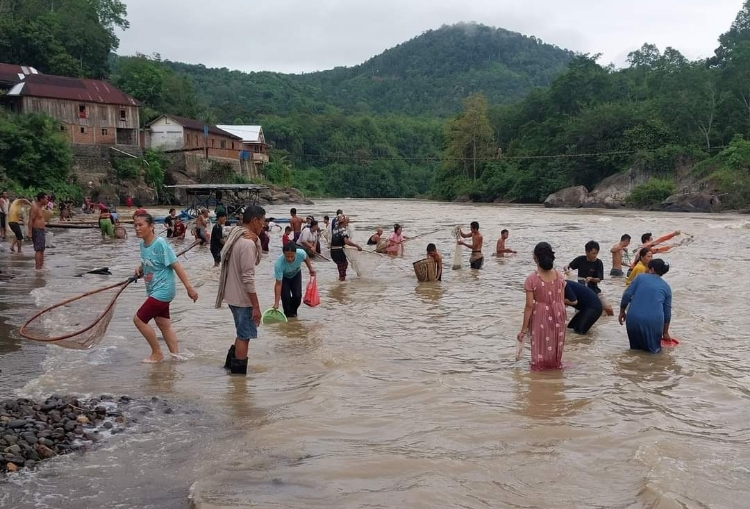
(650,299)
(547,322)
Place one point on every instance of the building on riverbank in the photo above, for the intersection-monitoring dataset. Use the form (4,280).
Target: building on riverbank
(90,112)
(171,133)
(253,143)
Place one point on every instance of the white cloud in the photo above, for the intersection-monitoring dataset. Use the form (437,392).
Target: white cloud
(306,35)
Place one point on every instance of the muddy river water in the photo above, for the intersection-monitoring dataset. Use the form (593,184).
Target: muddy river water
(394,394)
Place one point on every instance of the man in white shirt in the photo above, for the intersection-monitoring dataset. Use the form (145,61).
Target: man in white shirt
(308,239)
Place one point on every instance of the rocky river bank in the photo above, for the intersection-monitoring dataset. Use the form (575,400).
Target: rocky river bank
(33,431)
(613,193)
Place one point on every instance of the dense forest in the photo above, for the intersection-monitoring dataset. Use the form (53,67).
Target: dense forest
(464,111)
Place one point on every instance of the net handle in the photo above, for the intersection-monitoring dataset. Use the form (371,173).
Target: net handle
(191,246)
(123,284)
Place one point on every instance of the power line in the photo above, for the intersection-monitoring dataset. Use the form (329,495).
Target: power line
(478,159)
(438,159)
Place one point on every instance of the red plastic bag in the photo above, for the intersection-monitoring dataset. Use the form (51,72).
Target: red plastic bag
(312,298)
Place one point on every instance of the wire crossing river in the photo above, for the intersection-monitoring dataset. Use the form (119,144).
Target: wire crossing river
(397,394)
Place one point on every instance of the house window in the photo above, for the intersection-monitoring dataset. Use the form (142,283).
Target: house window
(81,111)
(62,127)
(123,115)
(223,144)
(104,132)
(232,145)
(212,142)
(196,140)
(83,130)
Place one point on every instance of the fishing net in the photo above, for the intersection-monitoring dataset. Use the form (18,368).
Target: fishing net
(78,323)
(457,254)
(363,263)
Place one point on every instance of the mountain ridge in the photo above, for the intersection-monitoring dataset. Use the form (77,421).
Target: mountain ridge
(428,75)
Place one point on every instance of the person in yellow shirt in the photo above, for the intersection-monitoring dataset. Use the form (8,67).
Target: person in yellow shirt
(645,256)
(14,221)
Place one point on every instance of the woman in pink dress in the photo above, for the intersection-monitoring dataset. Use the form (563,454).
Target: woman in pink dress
(544,315)
(395,241)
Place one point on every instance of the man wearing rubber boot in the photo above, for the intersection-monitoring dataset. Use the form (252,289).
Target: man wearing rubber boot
(239,256)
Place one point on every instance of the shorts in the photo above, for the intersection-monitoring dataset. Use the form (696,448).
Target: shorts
(153,308)
(477,264)
(216,255)
(616,273)
(201,235)
(243,323)
(39,239)
(16,229)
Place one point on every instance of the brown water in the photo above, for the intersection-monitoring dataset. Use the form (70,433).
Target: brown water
(395,394)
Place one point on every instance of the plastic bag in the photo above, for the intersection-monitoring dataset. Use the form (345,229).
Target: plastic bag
(312,298)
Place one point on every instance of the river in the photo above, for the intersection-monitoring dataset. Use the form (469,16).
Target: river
(398,394)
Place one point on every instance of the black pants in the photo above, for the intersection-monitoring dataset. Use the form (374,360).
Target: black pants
(291,294)
(585,319)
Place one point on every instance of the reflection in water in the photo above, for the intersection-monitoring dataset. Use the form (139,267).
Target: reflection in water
(398,394)
(430,292)
(543,395)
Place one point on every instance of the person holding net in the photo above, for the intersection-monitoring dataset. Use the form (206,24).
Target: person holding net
(158,267)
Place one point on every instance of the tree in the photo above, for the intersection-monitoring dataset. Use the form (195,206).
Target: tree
(469,135)
(33,152)
(738,33)
(68,37)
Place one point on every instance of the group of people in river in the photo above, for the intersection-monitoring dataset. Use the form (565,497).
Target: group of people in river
(645,306)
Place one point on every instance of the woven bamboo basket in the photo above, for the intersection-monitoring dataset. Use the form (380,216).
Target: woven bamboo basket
(425,270)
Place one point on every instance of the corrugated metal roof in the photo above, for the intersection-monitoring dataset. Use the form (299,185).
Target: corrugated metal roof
(248,133)
(11,73)
(72,89)
(197,125)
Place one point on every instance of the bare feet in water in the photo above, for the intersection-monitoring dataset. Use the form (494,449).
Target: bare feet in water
(153,359)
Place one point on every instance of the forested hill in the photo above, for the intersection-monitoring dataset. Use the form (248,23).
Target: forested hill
(427,76)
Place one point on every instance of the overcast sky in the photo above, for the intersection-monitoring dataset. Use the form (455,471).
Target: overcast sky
(309,35)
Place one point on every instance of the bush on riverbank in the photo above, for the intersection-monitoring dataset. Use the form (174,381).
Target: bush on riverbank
(35,156)
(652,193)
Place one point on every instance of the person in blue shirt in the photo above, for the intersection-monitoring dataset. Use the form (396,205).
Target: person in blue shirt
(646,308)
(589,307)
(288,274)
(158,267)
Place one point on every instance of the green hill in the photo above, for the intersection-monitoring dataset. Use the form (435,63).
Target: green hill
(427,76)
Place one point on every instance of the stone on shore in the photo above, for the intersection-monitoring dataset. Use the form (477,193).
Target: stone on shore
(31,432)
(692,202)
(570,197)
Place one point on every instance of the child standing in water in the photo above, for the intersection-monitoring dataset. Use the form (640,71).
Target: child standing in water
(158,267)
(433,253)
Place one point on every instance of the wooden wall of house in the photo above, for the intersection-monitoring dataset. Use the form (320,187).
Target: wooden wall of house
(231,148)
(94,115)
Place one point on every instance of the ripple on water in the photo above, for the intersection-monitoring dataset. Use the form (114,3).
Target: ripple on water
(398,394)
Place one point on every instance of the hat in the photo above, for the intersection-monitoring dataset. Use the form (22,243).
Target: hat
(140,212)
